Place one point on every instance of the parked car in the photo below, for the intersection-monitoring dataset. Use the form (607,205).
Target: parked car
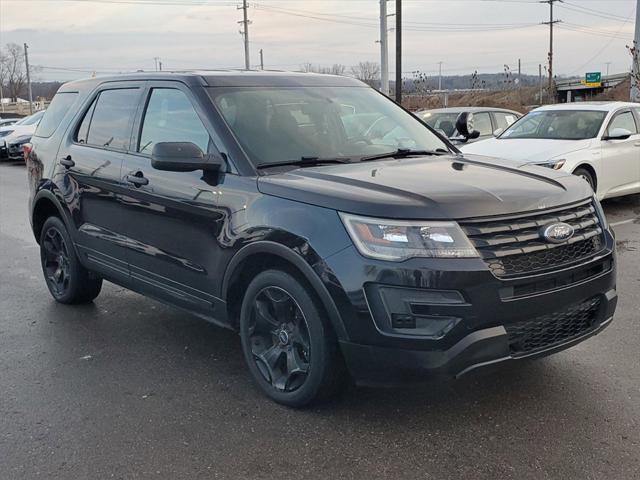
(5,122)
(459,123)
(14,137)
(382,254)
(599,142)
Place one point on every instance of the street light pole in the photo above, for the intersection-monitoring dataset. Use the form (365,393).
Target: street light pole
(26,61)
(399,51)
(384,49)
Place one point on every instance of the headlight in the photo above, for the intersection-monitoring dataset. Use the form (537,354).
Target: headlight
(398,240)
(5,133)
(555,164)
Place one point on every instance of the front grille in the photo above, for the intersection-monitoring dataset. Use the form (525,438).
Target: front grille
(552,329)
(513,246)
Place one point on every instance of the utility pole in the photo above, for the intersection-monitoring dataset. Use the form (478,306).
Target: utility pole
(440,75)
(245,33)
(635,68)
(160,65)
(261,60)
(26,61)
(155,62)
(399,51)
(607,64)
(384,49)
(551,22)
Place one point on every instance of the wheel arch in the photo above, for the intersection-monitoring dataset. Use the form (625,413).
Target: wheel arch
(262,255)
(45,204)
(589,168)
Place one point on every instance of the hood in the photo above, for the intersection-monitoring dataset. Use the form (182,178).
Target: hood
(446,187)
(18,131)
(525,150)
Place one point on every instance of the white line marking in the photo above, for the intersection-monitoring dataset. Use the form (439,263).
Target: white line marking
(622,222)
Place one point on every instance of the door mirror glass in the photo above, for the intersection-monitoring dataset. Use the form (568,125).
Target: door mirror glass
(183,157)
(618,134)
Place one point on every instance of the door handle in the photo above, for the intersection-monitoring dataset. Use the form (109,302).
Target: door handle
(67,162)
(138,179)
(636,144)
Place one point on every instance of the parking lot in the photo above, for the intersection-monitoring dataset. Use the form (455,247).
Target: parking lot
(129,388)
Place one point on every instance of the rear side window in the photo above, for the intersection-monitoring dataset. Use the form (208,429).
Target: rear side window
(482,123)
(504,120)
(107,123)
(58,108)
(170,117)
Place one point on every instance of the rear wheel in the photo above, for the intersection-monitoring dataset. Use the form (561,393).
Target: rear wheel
(288,344)
(586,176)
(68,281)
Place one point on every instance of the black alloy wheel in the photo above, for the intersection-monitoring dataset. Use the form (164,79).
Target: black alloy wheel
(288,343)
(279,338)
(55,261)
(67,280)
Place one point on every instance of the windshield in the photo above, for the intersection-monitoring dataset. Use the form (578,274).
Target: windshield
(445,122)
(557,125)
(276,124)
(31,119)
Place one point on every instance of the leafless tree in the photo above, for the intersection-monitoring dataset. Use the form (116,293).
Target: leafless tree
(13,69)
(368,72)
(335,69)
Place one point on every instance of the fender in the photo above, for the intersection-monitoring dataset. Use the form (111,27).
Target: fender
(277,249)
(47,191)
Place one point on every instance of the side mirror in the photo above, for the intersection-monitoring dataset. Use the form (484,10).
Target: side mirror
(498,131)
(617,134)
(183,157)
(464,125)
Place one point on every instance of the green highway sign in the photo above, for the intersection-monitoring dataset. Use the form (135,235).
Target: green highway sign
(593,77)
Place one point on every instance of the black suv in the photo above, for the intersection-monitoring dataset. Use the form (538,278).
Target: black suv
(335,231)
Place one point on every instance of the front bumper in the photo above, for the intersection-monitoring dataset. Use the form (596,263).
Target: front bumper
(466,317)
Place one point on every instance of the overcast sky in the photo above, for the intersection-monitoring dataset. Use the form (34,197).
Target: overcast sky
(71,38)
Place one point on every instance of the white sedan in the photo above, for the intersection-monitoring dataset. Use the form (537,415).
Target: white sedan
(599,142)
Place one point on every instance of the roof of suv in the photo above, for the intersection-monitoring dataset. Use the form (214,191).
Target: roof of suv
(228,78)
(606,106)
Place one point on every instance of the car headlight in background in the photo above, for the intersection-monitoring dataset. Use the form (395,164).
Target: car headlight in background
(398,240)
(5,133)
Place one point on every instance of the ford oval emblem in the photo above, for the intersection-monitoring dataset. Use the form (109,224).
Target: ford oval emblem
(557,232)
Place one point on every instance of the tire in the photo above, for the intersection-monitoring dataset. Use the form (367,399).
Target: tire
(288,344)
(68,281)
(587,176)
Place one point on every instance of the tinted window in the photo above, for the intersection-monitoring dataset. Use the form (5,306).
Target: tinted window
(57,110)
(482,123)
(110,124)
(83,131)
(275,124)
(623,120)
(170,117)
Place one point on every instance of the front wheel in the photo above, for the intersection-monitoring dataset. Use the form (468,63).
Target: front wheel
(586,176)
(68,281)
(288,345)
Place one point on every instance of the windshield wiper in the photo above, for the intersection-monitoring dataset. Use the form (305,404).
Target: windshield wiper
(303,162)
(403,153)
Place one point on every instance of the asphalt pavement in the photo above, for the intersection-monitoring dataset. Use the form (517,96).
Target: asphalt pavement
(128,388)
